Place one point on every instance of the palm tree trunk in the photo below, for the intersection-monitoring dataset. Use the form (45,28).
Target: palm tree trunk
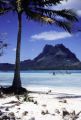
(17,79)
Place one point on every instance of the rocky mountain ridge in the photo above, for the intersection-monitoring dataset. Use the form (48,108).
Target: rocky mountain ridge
(52,57)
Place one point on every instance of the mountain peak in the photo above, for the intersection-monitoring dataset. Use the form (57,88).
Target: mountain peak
(47,48)
(57,54)
(52,57)
(51,47)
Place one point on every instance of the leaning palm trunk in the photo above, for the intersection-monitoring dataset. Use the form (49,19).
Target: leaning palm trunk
(17,80)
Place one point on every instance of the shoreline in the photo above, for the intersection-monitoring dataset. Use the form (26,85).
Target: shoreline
(62,89)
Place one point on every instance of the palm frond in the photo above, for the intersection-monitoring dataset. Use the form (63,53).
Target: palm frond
(44,19)
(4,10)
(68,14)
(4,6)
(3,3)
(35,10)
(47,2)
(65,25)
(38,17)
(51,2)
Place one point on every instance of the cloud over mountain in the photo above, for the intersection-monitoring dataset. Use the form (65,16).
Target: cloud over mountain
(51,35)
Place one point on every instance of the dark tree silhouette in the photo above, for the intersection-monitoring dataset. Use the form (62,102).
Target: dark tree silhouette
(2,46)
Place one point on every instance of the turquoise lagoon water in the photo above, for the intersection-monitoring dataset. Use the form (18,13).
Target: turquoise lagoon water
(45,78)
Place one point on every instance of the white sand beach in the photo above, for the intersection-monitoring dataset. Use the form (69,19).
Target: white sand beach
(45,104)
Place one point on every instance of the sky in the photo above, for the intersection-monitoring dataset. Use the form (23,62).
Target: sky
(35,35)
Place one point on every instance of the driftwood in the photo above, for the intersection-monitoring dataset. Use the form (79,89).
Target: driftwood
(76,116)
(72,116)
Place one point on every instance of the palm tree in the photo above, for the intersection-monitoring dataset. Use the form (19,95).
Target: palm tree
(37,10)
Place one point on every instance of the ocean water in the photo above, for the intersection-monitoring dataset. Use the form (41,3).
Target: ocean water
(60,78)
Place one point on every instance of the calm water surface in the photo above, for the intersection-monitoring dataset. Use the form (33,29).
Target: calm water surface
(45,78)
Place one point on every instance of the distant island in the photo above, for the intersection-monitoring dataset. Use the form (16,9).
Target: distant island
(51,58)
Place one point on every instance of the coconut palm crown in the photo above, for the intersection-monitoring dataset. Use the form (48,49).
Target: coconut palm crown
(37,10)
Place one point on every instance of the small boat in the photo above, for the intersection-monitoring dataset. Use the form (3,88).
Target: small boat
(53,73)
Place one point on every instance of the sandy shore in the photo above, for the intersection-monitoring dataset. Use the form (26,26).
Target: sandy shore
(43,104)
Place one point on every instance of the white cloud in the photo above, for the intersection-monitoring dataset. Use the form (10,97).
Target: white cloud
(76,4)
(79,13)
(69,4)
(51,35)
(14,49)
